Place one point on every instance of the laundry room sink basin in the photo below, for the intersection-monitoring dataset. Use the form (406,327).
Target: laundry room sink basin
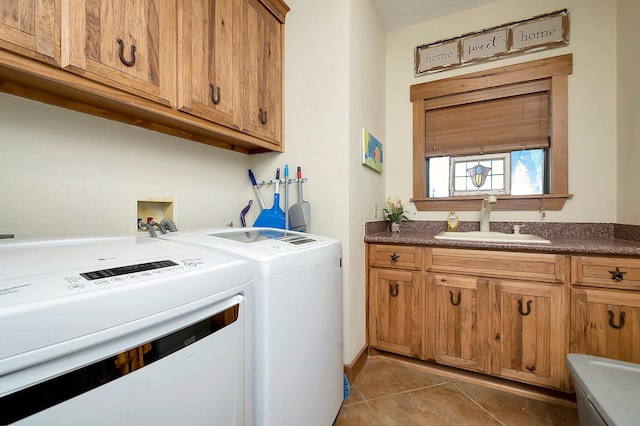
(491,237)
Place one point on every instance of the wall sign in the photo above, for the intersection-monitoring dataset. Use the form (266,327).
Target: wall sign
(540,32)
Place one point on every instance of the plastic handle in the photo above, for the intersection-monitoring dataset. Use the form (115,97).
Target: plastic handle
(253,178)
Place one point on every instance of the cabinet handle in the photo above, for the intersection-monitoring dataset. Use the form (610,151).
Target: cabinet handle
(451,298)
(263,116)
(528,307)
(617,275)
(215,98)
(613,324)
(120,53)
(393,289)
(394,257)
(531,369)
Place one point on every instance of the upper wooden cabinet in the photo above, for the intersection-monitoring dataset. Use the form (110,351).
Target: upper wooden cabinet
(31,28)
(263,73)
(230,65)
(209,79)
(127,44)
(206,70)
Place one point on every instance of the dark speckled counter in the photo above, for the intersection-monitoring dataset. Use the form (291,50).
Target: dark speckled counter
(566,238)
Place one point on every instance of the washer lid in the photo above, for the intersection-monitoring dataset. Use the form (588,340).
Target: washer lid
(269,251)
(612,386)
(253,235)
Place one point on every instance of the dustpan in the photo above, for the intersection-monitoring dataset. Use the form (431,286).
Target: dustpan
(273,217)
(300,212)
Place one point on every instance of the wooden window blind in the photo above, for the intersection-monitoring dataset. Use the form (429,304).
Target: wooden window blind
(493,120)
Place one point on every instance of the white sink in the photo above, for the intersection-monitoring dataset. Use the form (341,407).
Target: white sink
(491,237)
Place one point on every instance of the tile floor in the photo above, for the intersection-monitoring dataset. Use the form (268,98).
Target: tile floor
(391,393)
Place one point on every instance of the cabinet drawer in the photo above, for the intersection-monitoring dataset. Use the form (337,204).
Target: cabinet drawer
(606,272)
(397,257)
(523,266)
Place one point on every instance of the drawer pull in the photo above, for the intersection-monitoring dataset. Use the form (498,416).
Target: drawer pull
(611,320)
(617,275)
(263,116)
(393,289)
(215,97)
(528,307)
(130,62)
(451,298)
(394,257)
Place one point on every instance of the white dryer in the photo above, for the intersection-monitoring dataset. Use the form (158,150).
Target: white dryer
(122,331)
(298,320)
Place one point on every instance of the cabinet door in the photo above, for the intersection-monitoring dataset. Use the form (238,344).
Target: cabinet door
(31,28)
(208,57)
(395,306)
(529,332)
(127,44)
(606,323)
(263,63)
(462,322)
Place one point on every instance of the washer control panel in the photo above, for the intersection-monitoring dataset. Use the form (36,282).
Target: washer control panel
(47,287)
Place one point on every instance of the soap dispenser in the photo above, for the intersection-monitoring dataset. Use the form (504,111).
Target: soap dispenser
(452,222)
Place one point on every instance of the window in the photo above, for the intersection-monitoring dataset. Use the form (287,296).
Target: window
(516,173)
(501,131)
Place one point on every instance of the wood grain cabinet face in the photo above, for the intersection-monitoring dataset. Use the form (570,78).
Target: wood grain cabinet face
(31,28)
(606,272)
(263,62)
(395,311)
(461,321)
(528,332)
(397,257)
(230,66)
(605,307)
(209,79)
(606,323)
(126,44)
(515,322)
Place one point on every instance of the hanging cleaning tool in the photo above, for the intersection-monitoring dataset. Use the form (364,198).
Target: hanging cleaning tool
(300,212)
(286,196)
(256,190)
(273,217)
(244,212)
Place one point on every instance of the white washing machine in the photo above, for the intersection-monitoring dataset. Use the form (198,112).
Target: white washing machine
(298,320)
(124,331)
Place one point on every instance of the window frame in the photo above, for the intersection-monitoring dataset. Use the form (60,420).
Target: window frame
(557,70)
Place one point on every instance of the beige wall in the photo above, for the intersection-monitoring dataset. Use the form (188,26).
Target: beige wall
(592,100)
(70,174)
(628,111)
(366,187)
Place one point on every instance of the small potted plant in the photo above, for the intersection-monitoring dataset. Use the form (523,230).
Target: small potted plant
(394,214)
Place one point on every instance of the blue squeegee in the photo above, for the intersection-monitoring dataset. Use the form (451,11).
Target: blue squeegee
(273,217)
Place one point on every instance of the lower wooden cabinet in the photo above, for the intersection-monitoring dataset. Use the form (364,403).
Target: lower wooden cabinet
(606,323)
(605,307)
(460,326)
(529,332)
(514,315)
(395,311)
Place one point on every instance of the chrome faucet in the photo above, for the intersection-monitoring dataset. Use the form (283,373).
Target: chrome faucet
(485,212)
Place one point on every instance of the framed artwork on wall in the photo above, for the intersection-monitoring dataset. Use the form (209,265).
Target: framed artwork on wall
(372,151)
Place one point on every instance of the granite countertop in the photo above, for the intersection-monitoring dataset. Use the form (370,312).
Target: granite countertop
(566,238)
